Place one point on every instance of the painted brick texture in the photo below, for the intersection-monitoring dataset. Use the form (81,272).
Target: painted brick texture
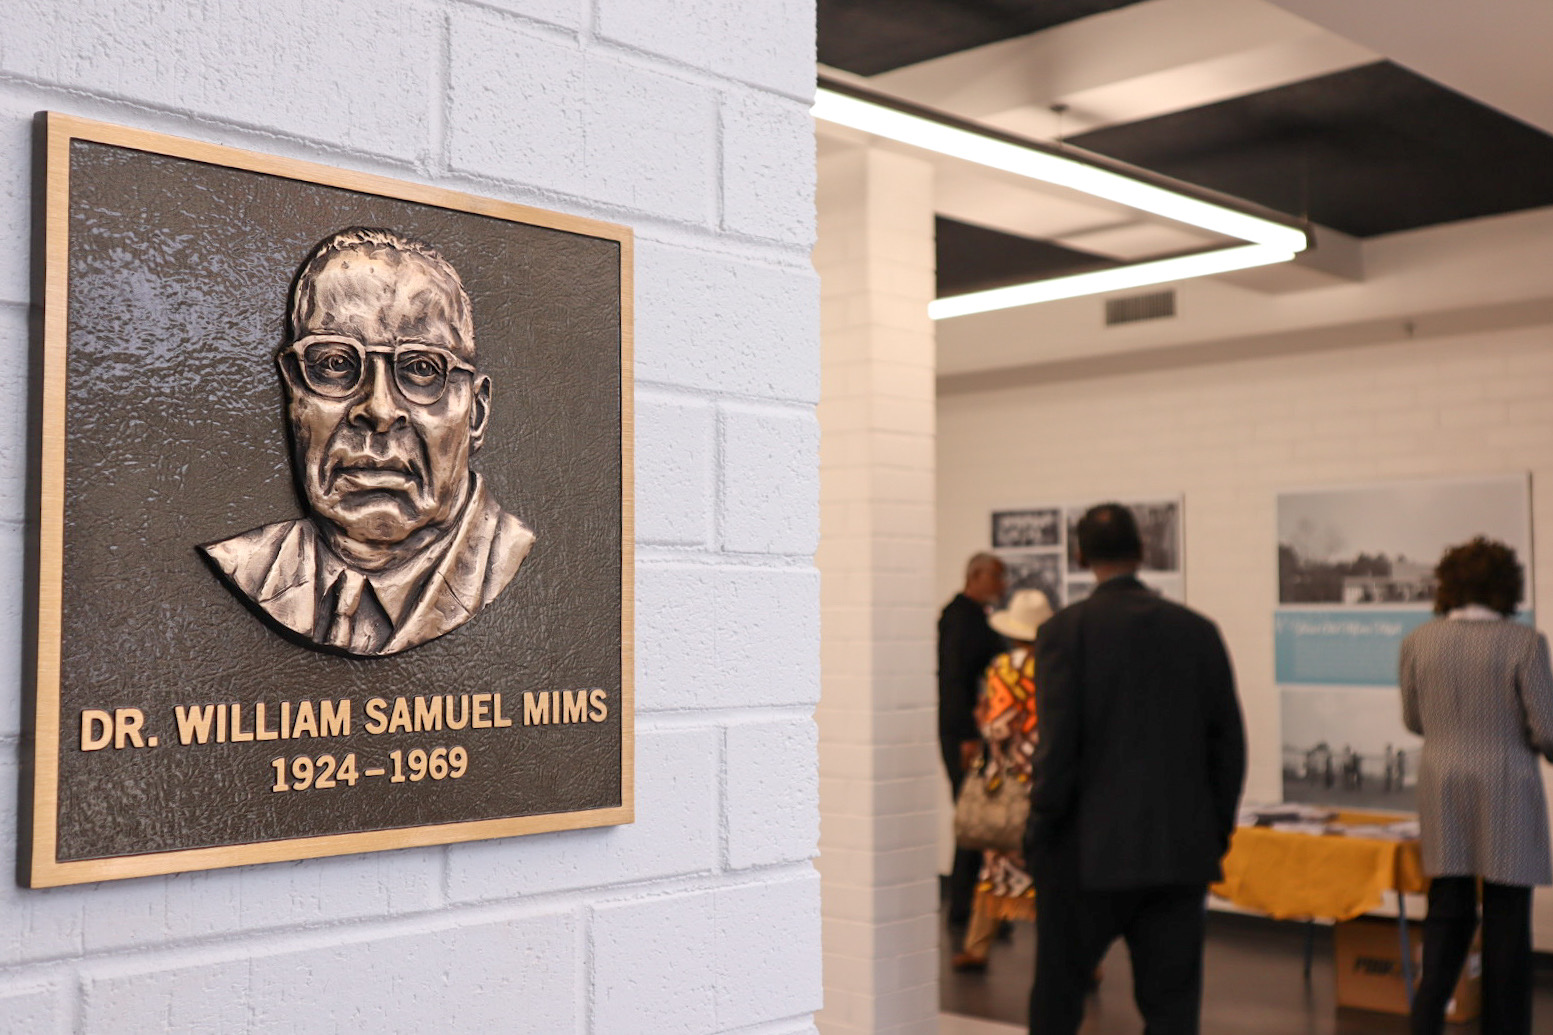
(704,636)
(688,122)
(464,976)
(876,723)
(771,816)
(271,67)
(749,42)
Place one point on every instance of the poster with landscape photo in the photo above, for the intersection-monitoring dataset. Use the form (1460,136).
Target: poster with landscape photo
(1346,746)
(1355,576)
(1377,545)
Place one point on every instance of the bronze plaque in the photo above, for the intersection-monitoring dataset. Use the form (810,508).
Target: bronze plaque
(332,513)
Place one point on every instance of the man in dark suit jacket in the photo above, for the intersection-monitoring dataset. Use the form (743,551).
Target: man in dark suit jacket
(1138,774)
(966,644)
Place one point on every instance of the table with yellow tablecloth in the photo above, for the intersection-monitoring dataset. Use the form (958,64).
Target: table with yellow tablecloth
(1294,875)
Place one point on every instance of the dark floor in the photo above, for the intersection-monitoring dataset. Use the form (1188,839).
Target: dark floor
(1254,983)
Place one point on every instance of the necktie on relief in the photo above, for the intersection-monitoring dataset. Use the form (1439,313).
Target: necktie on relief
(347,597)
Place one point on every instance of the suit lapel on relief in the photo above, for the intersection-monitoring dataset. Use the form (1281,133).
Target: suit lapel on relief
(452,593)
(290,590)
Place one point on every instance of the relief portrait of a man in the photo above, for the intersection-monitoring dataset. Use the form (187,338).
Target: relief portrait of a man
(401,541)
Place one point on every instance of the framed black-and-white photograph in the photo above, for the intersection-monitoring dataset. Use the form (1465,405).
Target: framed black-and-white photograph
(1034,569)
(1159,525)
(1376,545)
(1022,529)
(334,513)
(1346,746)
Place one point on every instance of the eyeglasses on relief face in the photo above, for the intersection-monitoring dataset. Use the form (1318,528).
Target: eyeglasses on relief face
(335,368)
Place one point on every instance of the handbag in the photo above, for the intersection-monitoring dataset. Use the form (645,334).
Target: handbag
(991,812)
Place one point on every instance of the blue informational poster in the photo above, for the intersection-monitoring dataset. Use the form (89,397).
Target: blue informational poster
(1341,648)
(1345,648)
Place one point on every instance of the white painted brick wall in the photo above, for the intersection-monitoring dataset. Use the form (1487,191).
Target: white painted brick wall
(770,477)
(462,974)
(15,204)
(148,913)
(676,446)
(676,832)
(721,323)
(514,111)
(565,13)
(272,67)
(688,121)
(1230,436)
(657,965)
(773,817)
(754,43)
(706,636)
(763,929)
(760,136)
(31,1009)
(651,141)
(878,750)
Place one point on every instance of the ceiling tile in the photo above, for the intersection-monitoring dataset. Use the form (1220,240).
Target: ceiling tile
(1369,150)
(872,36)
(973,258)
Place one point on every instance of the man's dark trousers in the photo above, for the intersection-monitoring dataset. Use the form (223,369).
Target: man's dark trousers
(967,861)
(1163,928)
(966,644)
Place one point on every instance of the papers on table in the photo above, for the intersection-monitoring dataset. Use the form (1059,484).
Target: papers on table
(1404,830)
(1298,818)
(1285,814)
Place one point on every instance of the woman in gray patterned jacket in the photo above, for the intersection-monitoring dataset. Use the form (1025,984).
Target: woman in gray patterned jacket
(1477,686)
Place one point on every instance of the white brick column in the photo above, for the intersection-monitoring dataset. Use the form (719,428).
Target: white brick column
(878,747)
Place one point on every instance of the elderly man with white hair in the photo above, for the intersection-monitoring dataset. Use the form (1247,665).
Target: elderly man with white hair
(966,643)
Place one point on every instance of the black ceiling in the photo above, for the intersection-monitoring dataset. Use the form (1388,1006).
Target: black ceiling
(1369,150)
(872,36)
(971,258)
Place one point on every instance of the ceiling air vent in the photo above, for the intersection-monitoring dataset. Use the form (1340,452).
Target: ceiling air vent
(1133,308)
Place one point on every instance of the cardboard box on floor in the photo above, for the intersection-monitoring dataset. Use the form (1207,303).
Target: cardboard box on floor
(1367,956)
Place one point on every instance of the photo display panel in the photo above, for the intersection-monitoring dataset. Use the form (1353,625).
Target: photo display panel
(1356,575)
(1038,546)
(333,513)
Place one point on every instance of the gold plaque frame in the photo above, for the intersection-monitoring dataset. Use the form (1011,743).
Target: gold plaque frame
(38,864)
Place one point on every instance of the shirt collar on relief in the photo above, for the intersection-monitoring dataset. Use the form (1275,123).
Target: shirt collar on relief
(399,587)
(1474,613)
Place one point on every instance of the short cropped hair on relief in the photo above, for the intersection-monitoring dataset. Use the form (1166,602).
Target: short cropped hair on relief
(374,239)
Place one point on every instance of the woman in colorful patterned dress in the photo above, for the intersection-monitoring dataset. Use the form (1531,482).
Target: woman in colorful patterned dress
(1006,715)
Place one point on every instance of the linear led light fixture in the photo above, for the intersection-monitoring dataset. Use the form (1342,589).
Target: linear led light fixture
(1266,240)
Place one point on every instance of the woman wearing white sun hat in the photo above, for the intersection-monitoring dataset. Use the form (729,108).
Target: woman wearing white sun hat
(1006,716)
